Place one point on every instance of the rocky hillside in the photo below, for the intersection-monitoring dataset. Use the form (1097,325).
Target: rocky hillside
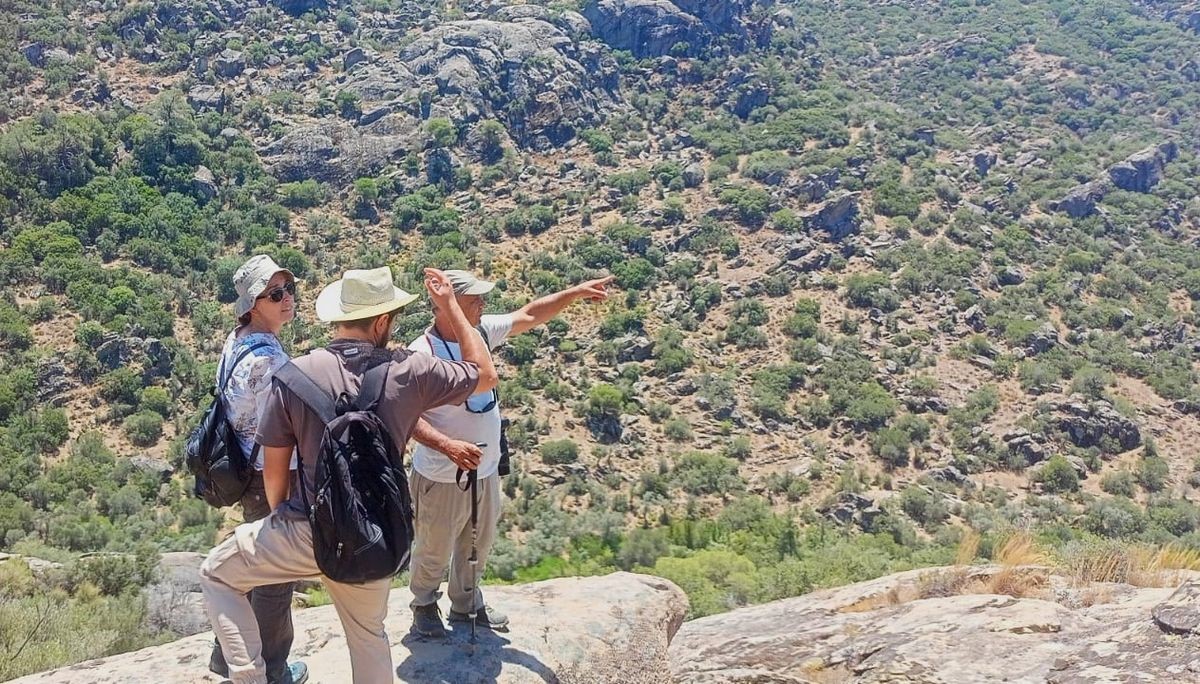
(891,274)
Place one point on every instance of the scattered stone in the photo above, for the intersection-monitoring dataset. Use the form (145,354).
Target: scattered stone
(204,184)
(229,64)
(204,98)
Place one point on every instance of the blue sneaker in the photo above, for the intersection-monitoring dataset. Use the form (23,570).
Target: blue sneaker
(297,673)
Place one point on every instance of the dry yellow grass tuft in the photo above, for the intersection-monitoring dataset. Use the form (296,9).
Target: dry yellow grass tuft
(1019,548)
(968,548)
(1139,565)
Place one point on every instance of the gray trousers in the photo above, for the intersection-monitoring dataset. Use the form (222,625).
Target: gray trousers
(272,604)
(442,514)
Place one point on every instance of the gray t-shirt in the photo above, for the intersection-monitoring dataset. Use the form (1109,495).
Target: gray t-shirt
(415,383)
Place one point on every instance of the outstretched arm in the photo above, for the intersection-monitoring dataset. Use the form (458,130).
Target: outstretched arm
(543,309)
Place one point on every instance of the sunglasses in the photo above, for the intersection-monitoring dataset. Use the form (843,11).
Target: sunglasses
(276,295)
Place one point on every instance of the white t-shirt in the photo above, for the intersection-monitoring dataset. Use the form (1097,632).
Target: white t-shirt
(456,422)
(249,384)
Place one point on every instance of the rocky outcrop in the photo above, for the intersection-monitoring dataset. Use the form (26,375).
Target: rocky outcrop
(654,28)
(205,98)
(837,216)
(204,184)
(337,152)
(1096,423)
(527,73)
(1081,200)
(1139,172)
(920,627)
(596,629)
(1143,170)
(852,509)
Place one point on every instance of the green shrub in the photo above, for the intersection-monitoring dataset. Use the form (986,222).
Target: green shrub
(560,451)
(156,399)
(1118,483)
(143,428)
(678,430)
(1153,473)
(1058,475)
(707,473)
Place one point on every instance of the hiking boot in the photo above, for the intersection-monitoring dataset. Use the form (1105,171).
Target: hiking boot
(296,673)
(427,621)
(487,617)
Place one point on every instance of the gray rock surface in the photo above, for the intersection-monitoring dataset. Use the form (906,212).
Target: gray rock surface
(614,628)
(527,73)
(916,627)
(837,216)
(653,28)
(1141,171)
(206,98)
(204,183)
(1081,200)
(335,151)
(1087,424)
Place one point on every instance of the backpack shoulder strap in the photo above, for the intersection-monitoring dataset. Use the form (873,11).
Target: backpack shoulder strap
(238,359)
(373,384)
(315,398)
(484,335)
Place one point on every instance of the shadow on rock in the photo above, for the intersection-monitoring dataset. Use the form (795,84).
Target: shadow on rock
(453,659)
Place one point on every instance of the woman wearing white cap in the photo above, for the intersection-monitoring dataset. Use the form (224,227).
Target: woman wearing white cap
(266,302)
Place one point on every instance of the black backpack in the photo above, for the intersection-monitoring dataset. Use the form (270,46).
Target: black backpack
(214,455)
(362,521)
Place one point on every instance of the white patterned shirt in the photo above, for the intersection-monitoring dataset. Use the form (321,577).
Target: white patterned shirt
(249,384)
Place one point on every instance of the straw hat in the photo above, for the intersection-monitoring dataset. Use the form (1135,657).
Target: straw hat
(361,294)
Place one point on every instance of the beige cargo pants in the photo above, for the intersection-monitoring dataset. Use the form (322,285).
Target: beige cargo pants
(443,540)
(278,549)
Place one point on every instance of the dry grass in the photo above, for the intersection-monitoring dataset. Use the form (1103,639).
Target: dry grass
(892,597)
(1019,548)
(1139,565)
(968,548)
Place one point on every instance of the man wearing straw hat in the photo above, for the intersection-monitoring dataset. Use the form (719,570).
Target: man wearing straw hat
(361,307)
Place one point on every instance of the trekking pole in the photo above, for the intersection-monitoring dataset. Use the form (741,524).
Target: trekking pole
(473,479)
(473,561)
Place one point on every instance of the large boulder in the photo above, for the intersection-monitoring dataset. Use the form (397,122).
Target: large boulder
(1081,200)
(229,63)
(174,602)
(205,98)
(838,216)
(529,74)
(654,28)
(1143,170)
(943,625)
(614,628)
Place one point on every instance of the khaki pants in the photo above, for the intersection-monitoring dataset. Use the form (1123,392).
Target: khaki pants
(443,540)
(272,604)
(278,549)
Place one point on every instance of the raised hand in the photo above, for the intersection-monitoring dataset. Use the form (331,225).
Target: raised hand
(438,285)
